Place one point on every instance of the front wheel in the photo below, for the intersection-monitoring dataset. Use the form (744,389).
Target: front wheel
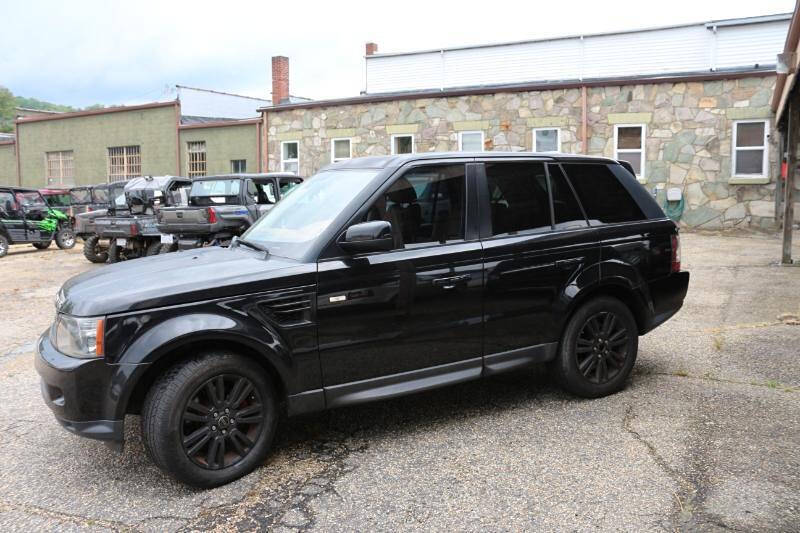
(598,349)
(210,419)
(65,239)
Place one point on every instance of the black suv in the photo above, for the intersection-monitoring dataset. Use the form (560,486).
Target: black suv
(377,277)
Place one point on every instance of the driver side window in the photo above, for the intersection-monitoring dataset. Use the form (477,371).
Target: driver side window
(8,206)
(424,205)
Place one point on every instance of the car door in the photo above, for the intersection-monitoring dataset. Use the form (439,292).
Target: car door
(536,243)
(410,318)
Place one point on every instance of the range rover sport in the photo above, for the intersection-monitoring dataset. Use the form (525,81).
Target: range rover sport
(377,277)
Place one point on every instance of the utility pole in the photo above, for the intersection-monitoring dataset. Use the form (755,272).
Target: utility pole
(788,205)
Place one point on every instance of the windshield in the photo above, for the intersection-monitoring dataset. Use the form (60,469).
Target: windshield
(31,199)
(81,196)
(291,227)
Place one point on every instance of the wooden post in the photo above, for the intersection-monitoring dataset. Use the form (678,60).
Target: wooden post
(779,178)
(788,204)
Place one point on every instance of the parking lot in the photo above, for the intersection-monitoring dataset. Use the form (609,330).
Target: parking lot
(706,436)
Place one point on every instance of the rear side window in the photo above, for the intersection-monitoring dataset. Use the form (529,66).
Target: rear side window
(518,197)
(602,195)
(566,210)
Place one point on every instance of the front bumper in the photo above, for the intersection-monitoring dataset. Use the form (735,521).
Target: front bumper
(78,393)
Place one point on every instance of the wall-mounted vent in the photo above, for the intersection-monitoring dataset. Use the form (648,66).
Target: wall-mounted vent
(289,310)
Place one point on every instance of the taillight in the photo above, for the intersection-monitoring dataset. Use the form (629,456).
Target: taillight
(211,215)
(134,229)
(676,253)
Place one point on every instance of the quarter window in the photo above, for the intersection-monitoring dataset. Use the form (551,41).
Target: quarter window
(547,140)
(290,156)
(402,144)
(196,160)
(603,197)
(124,162)
(566,210)
(60,168)
(341,149)
(518,196)
(750,148)
(470,141)
(629,146)
(238,166)
(424,205)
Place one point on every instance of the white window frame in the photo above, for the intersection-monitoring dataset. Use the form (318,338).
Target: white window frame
(643,176)
(399,135)
(334,159)
(461,138)
(296,160)
(558,138)
(126,161)
(765,147)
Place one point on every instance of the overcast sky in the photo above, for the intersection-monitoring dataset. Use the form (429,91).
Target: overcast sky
(84,52)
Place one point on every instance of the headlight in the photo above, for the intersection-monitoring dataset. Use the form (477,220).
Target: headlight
(78,337)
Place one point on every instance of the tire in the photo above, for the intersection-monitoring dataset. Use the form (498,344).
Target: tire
(169,248)
(153,248)
(42,245)
(65,239)
(117,254)
(92,250)
(601,334)
(3,246)
(176,412)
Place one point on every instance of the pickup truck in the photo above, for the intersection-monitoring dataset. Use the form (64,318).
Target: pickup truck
(221,207)
(133,233)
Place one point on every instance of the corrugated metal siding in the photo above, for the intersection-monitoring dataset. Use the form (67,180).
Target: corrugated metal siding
(693,48)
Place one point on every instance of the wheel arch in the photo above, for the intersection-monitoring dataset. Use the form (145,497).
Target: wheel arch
(628,295)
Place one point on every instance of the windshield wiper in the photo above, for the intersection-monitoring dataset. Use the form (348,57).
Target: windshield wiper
(250,244)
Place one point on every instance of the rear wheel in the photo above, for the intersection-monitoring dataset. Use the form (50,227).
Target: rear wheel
(93,251)
(121,253)
(211,419)
(65,239)
(598,349)
(42,245)
(154,248)
(3,246)
(169,248)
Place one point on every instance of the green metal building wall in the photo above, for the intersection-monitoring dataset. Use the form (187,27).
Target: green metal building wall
(223,144)
(8,164)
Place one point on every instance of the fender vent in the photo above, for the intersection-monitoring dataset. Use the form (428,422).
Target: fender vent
(290,310)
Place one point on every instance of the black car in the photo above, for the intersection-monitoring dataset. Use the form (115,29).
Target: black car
(377,277)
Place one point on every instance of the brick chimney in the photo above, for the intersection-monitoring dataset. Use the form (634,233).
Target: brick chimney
(372,48)
(280,80)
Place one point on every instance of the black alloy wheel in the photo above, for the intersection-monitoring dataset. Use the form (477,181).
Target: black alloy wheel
(601,347)
(221,421)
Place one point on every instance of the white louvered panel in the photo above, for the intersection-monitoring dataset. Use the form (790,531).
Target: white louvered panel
(664,51)
(739,46)
(548,60)
(404,73)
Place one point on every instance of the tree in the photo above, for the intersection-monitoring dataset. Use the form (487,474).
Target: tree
(7,104)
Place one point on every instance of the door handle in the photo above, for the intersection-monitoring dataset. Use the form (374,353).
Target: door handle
(569,263)
(450,282)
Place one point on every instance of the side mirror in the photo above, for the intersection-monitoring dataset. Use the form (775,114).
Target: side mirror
(375,236)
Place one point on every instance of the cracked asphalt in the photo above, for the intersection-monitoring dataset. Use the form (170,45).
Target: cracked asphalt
(705,437)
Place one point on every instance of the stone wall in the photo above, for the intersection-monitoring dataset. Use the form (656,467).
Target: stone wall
(688,134)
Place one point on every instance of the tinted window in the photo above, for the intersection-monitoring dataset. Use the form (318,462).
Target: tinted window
(566,210)
(602,195)
(518,197)
(426,204)
(8,207)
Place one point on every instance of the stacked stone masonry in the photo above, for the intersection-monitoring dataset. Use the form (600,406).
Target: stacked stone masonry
(688,143)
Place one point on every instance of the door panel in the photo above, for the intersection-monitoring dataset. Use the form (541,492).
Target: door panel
(399,311)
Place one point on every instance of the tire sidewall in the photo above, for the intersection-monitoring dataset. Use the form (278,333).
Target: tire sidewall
(169,428)
(90,247)
(63,235)
(568,373)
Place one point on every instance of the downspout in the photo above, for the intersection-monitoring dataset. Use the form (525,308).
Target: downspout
(16,149)
(177,137)
(265,136)
(584,120)
(258,145)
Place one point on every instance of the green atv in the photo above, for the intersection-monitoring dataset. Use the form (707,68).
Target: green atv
(25,218)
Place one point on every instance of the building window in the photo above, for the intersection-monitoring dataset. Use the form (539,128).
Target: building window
(547,140)
(124,162)
(470,141)
(238,166)
(290,156)
(629,146)
(341,149)
(196,151)
(60,168)
(402,144)
(750,150)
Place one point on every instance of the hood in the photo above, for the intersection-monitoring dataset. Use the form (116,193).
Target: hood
(179,278)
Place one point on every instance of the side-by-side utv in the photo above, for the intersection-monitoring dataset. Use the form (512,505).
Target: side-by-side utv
(25,218)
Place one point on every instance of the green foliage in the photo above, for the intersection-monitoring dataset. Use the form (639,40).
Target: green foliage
(34,103)
(8,103)
(6,110)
